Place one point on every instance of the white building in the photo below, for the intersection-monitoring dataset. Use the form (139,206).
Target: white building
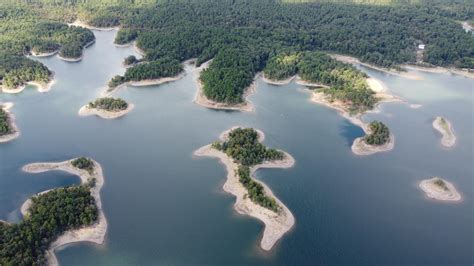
(421,46)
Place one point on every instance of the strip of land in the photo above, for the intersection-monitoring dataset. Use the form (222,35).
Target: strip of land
(202,100)
(443,126)
(94,233)
(14,132)
(440,189)
(276,223)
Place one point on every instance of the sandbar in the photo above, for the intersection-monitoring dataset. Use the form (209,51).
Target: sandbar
(87,111)
(15,132)
(434,191)
(94,233)
(276,224)
(443,126)
(202,100)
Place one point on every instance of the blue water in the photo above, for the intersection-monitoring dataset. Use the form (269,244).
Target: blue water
(166,207)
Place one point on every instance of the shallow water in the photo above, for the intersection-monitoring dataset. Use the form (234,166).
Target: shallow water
(165,207)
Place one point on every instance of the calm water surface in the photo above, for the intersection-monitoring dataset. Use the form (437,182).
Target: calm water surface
(166,207)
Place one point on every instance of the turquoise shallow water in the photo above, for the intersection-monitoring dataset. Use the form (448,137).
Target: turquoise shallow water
(166,207)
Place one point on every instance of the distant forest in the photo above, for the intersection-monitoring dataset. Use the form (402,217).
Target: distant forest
(241,35)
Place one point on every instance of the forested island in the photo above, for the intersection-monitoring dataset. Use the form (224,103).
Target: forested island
(51,216)
(378,139)
(241,150)
(440,189)
(8,129)
(106,107)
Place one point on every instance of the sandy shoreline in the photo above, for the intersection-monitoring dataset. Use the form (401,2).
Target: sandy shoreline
(15,132)
(359,146)
(86,111)
(276,224)
(40,55)
(71,60)
(202,100)
(143,83)
(277,82)
(448,139)
(40,86)
(438,193)
(94,233)
(440,70)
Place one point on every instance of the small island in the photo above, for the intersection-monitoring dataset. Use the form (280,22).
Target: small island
(8,129)
(106,107)
(242,152)
(80,204)
(443,126)
(378,139)
(439,189)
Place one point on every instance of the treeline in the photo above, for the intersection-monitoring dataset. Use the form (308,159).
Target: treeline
(109,104)
(379,134)
(83,163)
(5,127)
(255,190)
(29,28)
(346,83)
(243,146)
(50,215)
(160,68)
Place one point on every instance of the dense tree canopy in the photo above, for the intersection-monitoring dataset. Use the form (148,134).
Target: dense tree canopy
(379,134)
(109,104)
(255,190)
(50,215)
(83,163)
(5,127)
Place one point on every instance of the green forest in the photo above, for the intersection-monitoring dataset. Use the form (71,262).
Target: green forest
(242,35)
(109,104)
(346,83)
(244,147)
(379,134)
(5,127)
(50,215)
(83,163)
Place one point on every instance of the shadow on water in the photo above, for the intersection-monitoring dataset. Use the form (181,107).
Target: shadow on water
(350,132)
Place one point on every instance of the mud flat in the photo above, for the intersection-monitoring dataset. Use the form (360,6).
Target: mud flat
(94,233)
(443,126)
(14,131)
(440,189)
(276,223)
(87,111)
(202,100)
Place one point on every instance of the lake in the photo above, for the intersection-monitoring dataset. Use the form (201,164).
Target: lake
(164,206)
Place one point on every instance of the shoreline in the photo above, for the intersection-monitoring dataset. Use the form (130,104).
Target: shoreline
(42,55)
(448,138)
(359,147)
(71,60)
(86,111)
(40,86)
(143,83)
(15,132)
(277,82)
(441,70)
(94,233)
(203,101)
(435,192)
(79,23)
(275,224)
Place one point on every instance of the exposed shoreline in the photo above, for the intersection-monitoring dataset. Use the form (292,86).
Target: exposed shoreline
(15,132)
(276,224)
(436,192)
(40,86)
(448,139)
(94,233)
(87,111)
(40,55)
(71,60)
(79,23)
(143,83)
(359,146)
(202,100)
(277,82)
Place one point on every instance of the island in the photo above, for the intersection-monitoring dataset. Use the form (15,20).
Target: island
(8,129)
(378,139)
(106,107)
(241,151)
(443,126)
(440,189)
(56,217)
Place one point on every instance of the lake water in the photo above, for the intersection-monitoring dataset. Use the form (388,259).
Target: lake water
(165,207)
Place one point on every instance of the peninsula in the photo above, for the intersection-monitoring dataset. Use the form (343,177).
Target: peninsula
(443,126)
(378,139)
(80,203)
(106,107)
(241,151)
(8,129)
(440,189)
